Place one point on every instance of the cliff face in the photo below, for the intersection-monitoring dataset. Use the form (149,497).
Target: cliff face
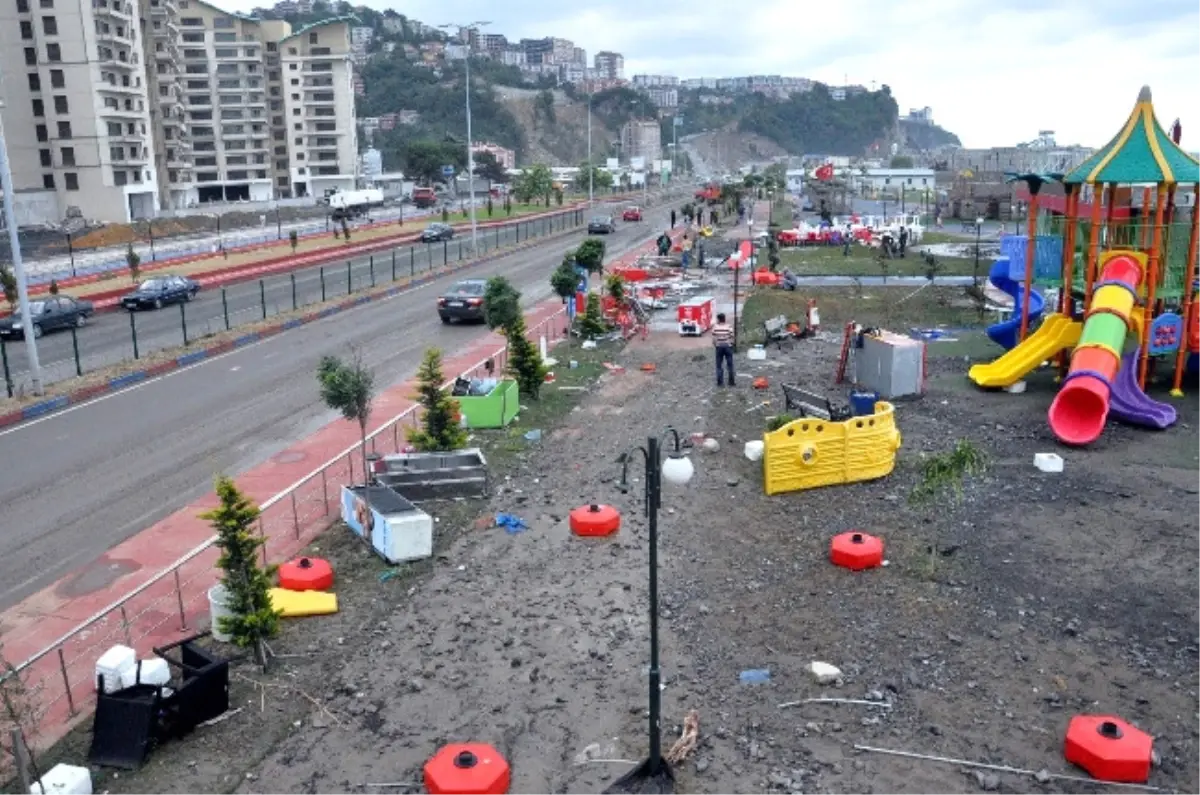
(562,139)
(924,137)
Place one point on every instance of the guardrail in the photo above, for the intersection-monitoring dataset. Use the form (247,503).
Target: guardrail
(58,681)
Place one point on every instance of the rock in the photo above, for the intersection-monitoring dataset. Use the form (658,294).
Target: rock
(989,782)
(701,765)
(416,685)
(1042,776)
(711,445)
(703,608)
(731,482)
(824,673)
(588,754)
(318,722)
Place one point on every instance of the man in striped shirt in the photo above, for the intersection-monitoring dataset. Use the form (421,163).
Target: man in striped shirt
(722,337)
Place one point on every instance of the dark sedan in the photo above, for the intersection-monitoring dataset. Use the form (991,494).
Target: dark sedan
(160,291)
(49,314)
(602,225)
(436,233)
(463,301)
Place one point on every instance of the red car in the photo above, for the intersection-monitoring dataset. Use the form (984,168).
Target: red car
(632,214)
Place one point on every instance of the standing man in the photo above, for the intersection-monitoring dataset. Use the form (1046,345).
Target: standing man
(847,240)
(903,240)
(672,218)
(686,247)
(722,337)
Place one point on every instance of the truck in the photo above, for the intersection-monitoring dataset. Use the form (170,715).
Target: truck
(710,193)
(424,197)
(354,203)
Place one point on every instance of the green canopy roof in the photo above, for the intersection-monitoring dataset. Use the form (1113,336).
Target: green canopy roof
(1142,153)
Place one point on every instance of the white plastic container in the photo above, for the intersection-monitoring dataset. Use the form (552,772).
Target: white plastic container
(218,607)
(757,353)
(1048,462)
(116,666)
(64,780)
(155,671)
(753,450)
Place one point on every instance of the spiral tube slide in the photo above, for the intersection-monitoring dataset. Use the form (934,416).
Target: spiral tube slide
(1080,408)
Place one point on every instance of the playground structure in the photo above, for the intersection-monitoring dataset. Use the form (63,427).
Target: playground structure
(1137,269)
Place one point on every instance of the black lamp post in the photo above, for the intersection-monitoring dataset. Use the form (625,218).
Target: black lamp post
(654,775)
(150,233)
(71,253)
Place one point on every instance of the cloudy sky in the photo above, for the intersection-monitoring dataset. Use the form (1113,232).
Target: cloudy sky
(995,72)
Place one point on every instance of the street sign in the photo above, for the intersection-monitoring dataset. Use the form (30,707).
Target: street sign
(447,171)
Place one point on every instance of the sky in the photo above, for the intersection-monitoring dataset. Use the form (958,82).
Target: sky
(995,72)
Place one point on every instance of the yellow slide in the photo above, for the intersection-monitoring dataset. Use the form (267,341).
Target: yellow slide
(1057,333)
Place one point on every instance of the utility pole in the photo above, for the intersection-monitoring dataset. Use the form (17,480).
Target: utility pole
(14,241)
(470,152)
(591,167)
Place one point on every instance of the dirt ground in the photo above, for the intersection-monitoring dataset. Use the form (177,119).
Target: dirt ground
(1001,614)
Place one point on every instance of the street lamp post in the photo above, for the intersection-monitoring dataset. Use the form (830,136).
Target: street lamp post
(470,153)
(14,241)
(654,774)
(591,167)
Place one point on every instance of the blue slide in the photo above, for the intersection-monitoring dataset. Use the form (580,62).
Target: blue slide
(1006,333)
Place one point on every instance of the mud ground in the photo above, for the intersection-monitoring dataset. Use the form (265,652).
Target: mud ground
(1001,614)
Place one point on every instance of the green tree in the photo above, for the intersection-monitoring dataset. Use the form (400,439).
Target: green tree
(601,179)
(502,310)
(558,196)
(293,239)
(535,182)
(592,325)
(247,584)
(54,287)
(134,262)
(565,278)
(349,387)
(614,285)
(440,428)
(8,281)
(543,108)
(489,168)
(423,160)
(590,255)
(491,208)
(901,161)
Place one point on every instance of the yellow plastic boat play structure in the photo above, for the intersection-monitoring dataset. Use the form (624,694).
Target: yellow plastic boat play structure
(810,452)
(1057,333)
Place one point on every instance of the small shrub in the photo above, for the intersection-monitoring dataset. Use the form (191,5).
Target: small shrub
(946,472)
(134,262)
(293,239)
(8,281)
(54,287)
(778,421)
(565,279)
(592,325)
(445,215)
(440,421)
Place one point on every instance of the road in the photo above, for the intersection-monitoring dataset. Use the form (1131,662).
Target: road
(108,338)
(80,481)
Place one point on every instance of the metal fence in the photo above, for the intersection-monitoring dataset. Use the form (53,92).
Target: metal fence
(59,680)
(111,338)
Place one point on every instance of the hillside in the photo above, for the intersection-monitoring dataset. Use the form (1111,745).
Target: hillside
(919,137)
(555,132)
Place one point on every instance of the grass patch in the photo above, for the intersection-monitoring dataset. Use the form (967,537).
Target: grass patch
(863,261)
(781,214)
(895,308)
(503,445)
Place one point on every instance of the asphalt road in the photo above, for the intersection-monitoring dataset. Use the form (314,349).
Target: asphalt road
(76,483)
(109,337)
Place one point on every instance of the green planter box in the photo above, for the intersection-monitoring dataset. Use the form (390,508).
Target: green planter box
(492,411)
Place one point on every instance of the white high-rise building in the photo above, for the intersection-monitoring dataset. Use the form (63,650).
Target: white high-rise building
(121,108)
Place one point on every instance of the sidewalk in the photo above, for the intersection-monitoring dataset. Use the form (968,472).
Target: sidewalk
(124,597)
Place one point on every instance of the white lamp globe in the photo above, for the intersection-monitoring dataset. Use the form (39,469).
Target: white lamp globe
(678,470)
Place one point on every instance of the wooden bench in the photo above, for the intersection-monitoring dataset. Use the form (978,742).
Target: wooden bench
(810,404)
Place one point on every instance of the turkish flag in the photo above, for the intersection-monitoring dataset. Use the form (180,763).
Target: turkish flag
(825,172)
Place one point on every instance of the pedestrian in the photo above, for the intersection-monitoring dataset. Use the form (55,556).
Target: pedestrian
(712,216)
(722,337)
(664,244)
(672,219)
(903,240)
(686,247)
(847,239)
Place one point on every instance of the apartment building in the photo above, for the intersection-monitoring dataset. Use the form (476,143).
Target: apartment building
(663,97)
(641,138)
(655,81)
(125,108)
(507,158)
(78,129)
(321,135)
(609,65)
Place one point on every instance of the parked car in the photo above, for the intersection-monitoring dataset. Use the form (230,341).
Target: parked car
(49,314)
(161,290)
(436,233)
(601,225)
(463,301)
(632,214)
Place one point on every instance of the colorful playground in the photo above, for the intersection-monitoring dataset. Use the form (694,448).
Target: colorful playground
(1123,278)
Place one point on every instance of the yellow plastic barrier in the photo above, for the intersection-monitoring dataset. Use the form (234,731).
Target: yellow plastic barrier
(809,453)
(299,604)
